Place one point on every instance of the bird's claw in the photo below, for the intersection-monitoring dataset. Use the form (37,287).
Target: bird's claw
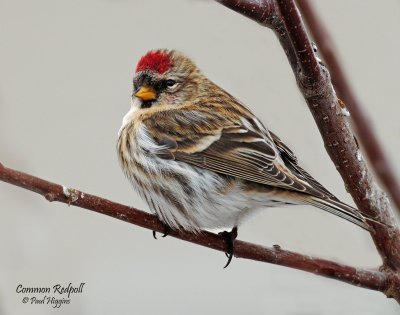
(230,240)
(166,231)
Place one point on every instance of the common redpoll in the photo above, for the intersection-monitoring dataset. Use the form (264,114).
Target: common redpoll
(203,160)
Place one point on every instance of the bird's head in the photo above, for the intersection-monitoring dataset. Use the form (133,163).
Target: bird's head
(164,77)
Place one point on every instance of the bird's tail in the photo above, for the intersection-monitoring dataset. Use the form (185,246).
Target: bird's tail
(342,210)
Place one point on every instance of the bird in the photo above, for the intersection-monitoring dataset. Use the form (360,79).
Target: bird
(202,160)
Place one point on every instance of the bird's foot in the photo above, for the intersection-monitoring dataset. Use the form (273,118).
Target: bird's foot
(230,240)
(167,229)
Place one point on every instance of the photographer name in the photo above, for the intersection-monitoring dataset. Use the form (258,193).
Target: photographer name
(58,288)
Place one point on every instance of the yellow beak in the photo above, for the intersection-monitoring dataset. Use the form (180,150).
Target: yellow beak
(146,93)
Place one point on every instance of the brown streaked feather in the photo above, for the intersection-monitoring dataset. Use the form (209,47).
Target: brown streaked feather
(200,124)
(228,147)
(291,162)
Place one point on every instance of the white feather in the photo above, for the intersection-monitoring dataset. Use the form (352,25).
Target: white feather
(209,206)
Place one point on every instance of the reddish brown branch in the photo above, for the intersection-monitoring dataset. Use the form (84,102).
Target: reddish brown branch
(308,67)
(369,279)
(315,85)
(314,82)
(341,145)
(362,123)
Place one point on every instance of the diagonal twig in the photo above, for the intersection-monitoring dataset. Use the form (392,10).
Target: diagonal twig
(370,279)
(361,121)
(314,83)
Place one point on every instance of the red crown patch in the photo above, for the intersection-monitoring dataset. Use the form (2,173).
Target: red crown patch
(156,61)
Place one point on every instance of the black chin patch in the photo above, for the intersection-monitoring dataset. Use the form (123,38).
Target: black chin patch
(147,104)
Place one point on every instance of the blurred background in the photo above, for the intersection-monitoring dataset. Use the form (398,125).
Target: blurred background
(65,84)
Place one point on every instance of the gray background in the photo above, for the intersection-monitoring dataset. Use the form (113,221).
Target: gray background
(65,84)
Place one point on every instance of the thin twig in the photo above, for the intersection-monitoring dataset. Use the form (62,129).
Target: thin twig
(314,83)
(370,279)
(340,142)
(362,122)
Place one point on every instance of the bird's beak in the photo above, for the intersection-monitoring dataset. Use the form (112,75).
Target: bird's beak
(146,93)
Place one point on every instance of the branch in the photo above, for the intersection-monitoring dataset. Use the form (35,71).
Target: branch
(314,83)
(362,122)
(340,142)
(370,279)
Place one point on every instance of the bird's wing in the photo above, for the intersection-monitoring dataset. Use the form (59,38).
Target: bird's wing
(291,162)
(241,148)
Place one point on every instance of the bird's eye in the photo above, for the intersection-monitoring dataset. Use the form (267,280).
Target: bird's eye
(171,83)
